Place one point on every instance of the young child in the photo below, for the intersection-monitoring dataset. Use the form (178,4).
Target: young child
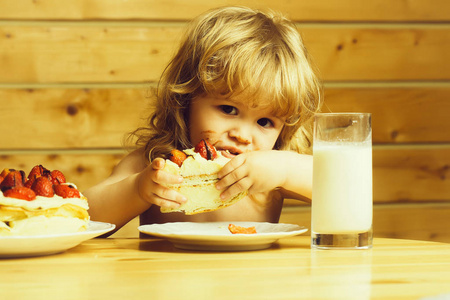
(242,80)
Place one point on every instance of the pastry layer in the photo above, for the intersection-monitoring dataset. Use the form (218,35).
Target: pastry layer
(42,225)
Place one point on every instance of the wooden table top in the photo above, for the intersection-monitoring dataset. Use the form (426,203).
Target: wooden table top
(290,269)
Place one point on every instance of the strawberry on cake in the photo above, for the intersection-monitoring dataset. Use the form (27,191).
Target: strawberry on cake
(41,203)
(199,167)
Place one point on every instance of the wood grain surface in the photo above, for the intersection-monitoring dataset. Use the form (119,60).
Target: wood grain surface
(300,10)
(152,268)
(61,53)
(77,76)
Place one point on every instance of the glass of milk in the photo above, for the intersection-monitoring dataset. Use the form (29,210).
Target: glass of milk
(342,203)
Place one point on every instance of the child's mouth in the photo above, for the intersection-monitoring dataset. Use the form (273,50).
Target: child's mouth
(228,154)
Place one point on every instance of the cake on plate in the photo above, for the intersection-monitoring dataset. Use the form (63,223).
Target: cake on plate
(42,203)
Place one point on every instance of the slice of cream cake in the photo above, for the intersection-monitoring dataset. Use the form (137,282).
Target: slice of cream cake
(199,169)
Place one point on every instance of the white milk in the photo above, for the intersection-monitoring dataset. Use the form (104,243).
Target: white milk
(342,187)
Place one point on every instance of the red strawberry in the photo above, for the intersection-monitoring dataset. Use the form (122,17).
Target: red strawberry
(58,177)
(42,186)
(206,150)
(1,179)
(235,229)
(35,172)
(177,156)
(20,192)
(13,179)
(38,171)
(5,172)
(30,182)
(66,191)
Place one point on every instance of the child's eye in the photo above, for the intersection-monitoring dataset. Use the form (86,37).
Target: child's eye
(228,109)
(264,122)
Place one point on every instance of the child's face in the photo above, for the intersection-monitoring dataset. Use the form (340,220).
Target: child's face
(230,124)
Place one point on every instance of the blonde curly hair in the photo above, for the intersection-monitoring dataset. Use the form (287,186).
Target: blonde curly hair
(233,50)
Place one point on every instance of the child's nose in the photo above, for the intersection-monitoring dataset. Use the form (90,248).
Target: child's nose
(242,135)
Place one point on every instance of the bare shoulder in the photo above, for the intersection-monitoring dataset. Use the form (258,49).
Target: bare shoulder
(131,164)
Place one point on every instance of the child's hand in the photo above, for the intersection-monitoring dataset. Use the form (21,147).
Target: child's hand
(151,189)
(257,171)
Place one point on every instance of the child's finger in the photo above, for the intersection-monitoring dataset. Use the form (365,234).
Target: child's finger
(231,178)
(231,166)
(157,174)
(164,196)
(165,178)
(158,163)
(236,188)
(166,203)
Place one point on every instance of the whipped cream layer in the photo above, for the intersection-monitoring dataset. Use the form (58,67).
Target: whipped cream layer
(195,164)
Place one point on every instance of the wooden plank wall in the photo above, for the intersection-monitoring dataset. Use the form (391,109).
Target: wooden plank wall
(75,76)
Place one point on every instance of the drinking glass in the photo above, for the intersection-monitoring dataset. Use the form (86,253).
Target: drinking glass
(342,206)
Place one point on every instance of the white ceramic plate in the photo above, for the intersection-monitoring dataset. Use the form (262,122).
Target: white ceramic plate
(215,236)
(23,246)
